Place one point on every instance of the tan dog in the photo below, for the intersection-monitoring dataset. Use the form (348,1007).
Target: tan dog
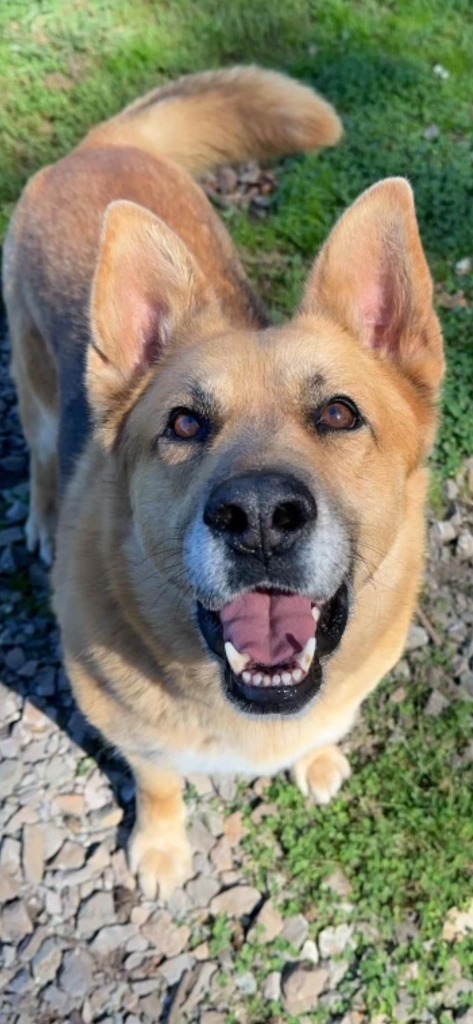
(241,541)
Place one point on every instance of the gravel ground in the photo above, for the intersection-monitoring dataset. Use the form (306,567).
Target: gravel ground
(80,944)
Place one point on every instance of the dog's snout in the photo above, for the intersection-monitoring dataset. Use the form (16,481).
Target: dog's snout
(260,513)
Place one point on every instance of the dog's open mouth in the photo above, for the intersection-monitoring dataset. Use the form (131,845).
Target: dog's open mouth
(271,644)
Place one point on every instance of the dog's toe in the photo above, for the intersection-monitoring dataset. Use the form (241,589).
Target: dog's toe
(322,773)
(161,864)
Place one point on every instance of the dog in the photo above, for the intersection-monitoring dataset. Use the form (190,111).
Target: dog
(241,531)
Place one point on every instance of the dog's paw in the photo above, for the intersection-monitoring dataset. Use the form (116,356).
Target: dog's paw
(321,773)
(39,536)
(161,863)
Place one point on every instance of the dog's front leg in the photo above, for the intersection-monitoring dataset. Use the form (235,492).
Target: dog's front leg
(159,850)
(321,773)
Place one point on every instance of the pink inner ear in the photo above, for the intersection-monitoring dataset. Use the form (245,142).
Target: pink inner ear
(378,307)
(149,332)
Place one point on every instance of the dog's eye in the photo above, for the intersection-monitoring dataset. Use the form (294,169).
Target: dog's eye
(186,425)
(339,414)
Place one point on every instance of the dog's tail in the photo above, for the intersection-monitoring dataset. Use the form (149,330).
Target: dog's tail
(218,117)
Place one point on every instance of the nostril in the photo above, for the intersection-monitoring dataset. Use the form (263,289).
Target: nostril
(289,516)
(230,519)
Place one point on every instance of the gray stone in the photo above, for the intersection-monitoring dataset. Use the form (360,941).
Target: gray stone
(11,772)
(436,704)
(15,659)
(15,922)
(95,912)
(221,855)
(111,937)
(76,973)
(172,970)
(201,890)
(267,925)
(417,637)
(200,838)
(272,987)
(33,853)
(241,899)
(465,546)
(310,952)
(296,930)
(167,938)
(46,962)
(71,855)
(301,988)
(10,856)
(246,983)
(333,941)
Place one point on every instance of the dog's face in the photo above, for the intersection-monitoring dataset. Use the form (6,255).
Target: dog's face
(267,470)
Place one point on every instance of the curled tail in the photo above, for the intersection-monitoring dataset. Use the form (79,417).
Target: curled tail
(218,117)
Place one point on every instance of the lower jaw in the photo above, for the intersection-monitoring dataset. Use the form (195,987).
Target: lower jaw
(276,700)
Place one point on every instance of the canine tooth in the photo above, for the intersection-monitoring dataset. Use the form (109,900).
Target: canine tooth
(297,675)
(304,659)
(246,677)
(286,678)
(316,613)
(277,678)
(237,661)
(257,678)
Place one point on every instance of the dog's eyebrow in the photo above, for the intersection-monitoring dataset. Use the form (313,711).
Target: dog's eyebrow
(316,383)
(202,398)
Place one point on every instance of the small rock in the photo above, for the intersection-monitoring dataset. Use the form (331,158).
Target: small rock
(463,267)
(441,72)
(15,922)
(301,988)
(111,937)
(214,1017)
(310,952)
(94,912)
(432,132)
(33,853)
(71,855)
(202,784)
(221,855)
(446,530)
(240,900)
(199,981)
(72,804)
(436,704)
(337,969)
(458,923)
(200,838)
(337,881)
(296,930)
(465,546)
(10,856)
(272,987)
(46,962)
(11,772)
(201,890)
(246,983)
(417,637)
(334,940)
(234,829)
(172,970)
(267,925)
(34,719)
(168,939)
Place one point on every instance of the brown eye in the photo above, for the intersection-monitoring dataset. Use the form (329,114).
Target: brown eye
(339,414)
(186,425)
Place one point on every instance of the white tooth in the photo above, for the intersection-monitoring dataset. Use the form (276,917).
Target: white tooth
(316,613)
(276,679)
(297,675)
(257,678)
(304,659)
(267,680)
(237,661)
(286,678)
(246,677)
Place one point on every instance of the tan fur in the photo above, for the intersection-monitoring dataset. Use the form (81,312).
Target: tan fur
(169,282)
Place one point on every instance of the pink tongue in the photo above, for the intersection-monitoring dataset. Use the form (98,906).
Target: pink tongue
(271,628)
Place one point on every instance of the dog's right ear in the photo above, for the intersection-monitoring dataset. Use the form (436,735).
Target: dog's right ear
(147,288)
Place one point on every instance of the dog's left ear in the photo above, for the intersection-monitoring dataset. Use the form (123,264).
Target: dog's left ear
(372,278)
(147,289)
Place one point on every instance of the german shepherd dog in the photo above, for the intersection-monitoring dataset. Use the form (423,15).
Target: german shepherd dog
(241,529)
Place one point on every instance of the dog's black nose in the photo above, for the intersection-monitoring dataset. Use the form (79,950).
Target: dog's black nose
(260,513)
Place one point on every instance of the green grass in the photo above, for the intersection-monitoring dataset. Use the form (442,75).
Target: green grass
(402,832)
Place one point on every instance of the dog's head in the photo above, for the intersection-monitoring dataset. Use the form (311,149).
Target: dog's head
(266,469)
